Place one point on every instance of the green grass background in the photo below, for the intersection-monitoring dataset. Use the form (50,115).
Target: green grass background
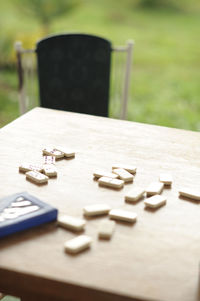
(165,78)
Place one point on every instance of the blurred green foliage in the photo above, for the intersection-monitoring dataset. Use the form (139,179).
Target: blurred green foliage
(28,20)
(165,76)
(160,4)
(45,11)
(182,6)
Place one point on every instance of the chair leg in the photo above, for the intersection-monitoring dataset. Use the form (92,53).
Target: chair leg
(127,79)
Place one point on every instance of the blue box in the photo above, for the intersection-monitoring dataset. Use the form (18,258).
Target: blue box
(23,211)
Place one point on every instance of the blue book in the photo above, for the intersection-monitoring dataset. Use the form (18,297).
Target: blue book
(23,211)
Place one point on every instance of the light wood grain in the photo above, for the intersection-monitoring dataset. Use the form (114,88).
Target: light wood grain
(157,258)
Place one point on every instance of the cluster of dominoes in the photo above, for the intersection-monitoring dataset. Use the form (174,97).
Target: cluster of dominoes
(106,228)
(116,179)
(122,174)
(154,200)
(40,173)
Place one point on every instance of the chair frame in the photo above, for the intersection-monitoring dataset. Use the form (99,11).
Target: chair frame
(22,97)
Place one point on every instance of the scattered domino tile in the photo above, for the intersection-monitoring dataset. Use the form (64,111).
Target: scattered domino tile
(134,194)
(106,229)
(77,244)
(129,168)
(96,209)
(67,152)
(123,215)
(100,173)
(24,167)
(190,193)
(123,174)
(109,182)
(155,201)
(53,152)
(71,223)
(50,170)
(49,160)
(36,177)
(154,188)
(166,178)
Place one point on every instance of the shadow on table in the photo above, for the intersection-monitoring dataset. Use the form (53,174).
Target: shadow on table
(183,198)
(17,238)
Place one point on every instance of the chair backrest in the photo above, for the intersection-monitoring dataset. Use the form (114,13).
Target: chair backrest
(74,73)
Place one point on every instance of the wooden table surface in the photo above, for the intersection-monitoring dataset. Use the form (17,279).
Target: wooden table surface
(157,258)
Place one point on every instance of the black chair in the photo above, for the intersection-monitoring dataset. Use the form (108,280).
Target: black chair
(73,72)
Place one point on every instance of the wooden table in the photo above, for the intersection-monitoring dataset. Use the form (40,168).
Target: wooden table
(157,258)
